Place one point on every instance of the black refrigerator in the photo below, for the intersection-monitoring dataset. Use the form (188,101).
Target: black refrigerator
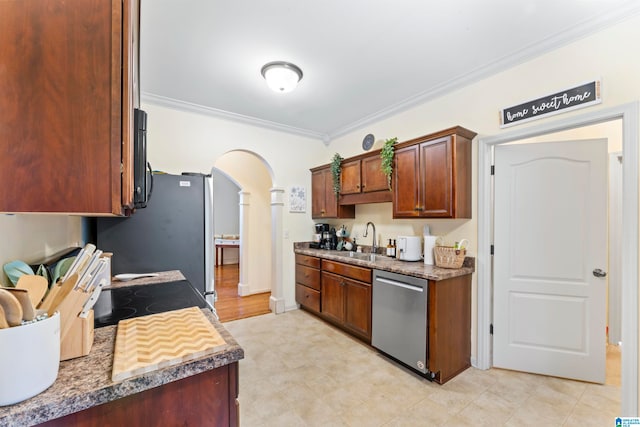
(174,232)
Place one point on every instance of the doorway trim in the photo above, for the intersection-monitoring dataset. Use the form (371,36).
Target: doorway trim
(629,113)
(615,248)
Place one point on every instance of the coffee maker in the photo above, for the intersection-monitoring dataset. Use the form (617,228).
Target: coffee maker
(322,236)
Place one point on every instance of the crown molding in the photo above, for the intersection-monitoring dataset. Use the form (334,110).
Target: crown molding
(190,107)
(527,53)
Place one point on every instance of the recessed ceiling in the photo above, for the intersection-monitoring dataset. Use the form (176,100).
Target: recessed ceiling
(362,60)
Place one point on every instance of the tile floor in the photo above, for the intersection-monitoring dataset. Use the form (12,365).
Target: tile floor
(300,371)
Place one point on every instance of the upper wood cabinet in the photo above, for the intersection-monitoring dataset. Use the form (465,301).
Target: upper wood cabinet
(350,182)
(362,180)
(324,203)
(432,176)
(67,96)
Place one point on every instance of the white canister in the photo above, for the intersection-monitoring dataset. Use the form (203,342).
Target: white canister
(29,359)
(429,244)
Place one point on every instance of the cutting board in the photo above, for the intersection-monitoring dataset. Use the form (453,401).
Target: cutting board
(148,343)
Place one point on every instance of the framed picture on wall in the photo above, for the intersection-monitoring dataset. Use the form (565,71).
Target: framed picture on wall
(298,199)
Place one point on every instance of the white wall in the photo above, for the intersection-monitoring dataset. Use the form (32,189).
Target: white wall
(31,238)
(226,211)
(181,140)
(225,204)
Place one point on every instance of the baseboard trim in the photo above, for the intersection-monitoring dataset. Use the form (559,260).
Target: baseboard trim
(276,305)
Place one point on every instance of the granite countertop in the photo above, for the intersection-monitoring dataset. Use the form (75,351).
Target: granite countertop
(86,381)
(381,262)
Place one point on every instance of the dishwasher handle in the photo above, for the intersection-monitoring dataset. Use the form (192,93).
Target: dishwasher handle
(400,284)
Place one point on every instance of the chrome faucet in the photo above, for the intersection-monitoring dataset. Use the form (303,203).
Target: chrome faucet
(374,246)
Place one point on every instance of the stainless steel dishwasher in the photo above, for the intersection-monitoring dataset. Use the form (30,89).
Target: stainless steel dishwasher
(399,318)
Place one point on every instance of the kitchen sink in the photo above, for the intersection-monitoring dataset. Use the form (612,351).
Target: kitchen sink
(362,256)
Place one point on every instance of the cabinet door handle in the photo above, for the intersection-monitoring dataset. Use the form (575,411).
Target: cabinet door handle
(358,186)
(342,283)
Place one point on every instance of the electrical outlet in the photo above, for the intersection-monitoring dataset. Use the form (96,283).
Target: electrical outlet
(286,234)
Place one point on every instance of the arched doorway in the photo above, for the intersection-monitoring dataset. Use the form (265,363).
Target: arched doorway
(259,215)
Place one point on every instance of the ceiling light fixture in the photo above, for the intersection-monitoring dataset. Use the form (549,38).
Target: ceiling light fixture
(281,76)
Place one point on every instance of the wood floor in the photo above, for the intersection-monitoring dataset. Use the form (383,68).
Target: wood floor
(229,305)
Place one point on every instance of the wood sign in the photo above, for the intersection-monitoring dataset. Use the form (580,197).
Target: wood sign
(559,102)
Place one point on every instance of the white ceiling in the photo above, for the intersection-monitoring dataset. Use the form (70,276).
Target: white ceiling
(362,59)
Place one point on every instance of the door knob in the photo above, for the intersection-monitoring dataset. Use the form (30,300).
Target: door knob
(599,273)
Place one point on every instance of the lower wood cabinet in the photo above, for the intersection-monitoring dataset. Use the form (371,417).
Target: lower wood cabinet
(308,282)
(308,298)
(346,297)
(449,320)
(347,303)
(206,399)
(341,294)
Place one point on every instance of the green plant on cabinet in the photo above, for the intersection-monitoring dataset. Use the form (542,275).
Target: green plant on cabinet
(386,153)
(336,163)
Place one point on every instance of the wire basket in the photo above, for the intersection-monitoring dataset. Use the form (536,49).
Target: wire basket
(449,256)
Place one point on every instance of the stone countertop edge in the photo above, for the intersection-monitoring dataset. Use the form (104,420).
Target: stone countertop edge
(410,268)
(85,382)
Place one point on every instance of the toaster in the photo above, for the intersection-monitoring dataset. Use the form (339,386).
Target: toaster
(409,248)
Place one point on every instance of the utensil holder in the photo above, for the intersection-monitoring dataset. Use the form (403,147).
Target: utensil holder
(29,359)
(79,340)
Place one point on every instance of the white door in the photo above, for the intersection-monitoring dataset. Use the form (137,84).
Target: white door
(550,234)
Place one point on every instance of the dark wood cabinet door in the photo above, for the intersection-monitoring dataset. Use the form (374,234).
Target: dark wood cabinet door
(205,399)
(406,178)
(350,177)
(332,297)
(308,276)
(358,308)
(449,327)
(324,203)
(330,198)
(373,179)
(61,128)
(317,194)
(362,274)
(436,170)
(308,298)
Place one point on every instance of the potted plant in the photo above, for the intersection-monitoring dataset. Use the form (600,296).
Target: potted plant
(386,154)
(336,163)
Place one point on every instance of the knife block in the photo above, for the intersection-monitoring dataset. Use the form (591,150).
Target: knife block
(79,340)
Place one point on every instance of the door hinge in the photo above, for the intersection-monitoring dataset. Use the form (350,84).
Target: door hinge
(491,250)
(493,169)
(491,329)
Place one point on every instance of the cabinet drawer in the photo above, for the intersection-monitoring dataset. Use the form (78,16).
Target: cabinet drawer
(308,297)
(308,276)
(309,261)
(358,273)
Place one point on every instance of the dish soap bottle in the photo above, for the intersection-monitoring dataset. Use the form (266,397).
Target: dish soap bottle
(389,248)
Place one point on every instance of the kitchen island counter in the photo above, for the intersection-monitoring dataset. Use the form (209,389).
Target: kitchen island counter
(381,262)
(84,384)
